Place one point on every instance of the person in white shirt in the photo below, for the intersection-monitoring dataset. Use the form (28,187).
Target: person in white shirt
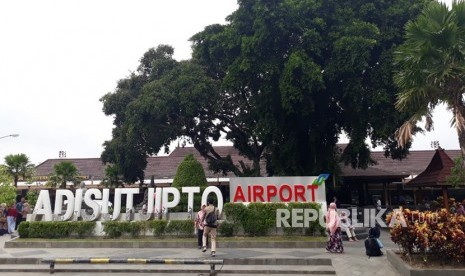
(199,226)
(346,225)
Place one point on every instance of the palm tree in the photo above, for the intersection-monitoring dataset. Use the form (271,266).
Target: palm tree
(113,177)
(431,65)
(64,172)
(18,165)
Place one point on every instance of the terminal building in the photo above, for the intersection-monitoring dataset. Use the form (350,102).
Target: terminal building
(387,180)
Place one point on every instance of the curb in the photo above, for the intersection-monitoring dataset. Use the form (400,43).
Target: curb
(279,266)
(405,269)
(232,261)
(4,261)
(158,244)
(171,271)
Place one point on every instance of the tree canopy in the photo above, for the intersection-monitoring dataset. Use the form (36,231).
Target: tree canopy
(5,177)
(8,194)
(63,173)
(431,67)
(281,81)
(190,173)
(18,166)
(112,176)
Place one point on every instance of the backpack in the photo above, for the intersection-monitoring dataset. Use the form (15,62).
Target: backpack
(210,219)
(372,248)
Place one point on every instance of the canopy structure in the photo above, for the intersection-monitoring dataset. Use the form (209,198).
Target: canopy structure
(435,174)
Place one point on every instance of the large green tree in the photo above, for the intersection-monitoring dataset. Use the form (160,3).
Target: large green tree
(133,140)
(7,194)
(431,65)
(18,166)
(282,80)
(5,178)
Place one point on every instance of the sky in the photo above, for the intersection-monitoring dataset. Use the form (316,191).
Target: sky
(58,58)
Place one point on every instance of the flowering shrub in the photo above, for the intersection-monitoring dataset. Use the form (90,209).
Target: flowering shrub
(433,234)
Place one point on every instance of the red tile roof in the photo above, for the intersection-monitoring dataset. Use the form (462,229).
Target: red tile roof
(86,166)
(166,166)
(159,166)
(436,172)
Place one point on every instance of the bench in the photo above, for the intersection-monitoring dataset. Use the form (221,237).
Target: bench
(211,262)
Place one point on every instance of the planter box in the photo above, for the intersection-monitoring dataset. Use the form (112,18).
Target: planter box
(407,270)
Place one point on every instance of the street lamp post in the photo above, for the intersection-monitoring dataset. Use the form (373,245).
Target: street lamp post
(11,135)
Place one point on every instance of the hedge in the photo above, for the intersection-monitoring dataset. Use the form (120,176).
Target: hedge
(226,229)
(254,219)
(314,227)
(257,219)
(112,229)
(55,229)
(157,227)
(180,228)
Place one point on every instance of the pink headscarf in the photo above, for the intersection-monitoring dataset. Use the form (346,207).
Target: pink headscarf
(332,219)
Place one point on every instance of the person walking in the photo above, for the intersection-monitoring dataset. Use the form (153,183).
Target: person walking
(19,208)
(333,222)
(210,225)
(11,215)
(336,201)
(199,226)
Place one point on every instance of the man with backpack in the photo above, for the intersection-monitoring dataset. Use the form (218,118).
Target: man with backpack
(372,244)
(210,225)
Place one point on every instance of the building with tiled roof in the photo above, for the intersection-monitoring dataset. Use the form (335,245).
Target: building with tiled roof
(387,179)
(384,180)
(436,174)
(162,168)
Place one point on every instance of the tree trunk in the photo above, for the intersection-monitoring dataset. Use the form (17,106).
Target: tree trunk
(459,113)
(445,197)
(461,135)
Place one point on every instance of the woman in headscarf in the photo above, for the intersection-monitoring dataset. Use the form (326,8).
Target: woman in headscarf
(333,227)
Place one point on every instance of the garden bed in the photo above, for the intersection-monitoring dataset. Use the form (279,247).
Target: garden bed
(415,266)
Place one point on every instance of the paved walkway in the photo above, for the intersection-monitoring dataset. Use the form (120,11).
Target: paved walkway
(352,262)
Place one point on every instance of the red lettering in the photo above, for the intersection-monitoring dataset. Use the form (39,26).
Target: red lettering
(299,192)
(267,192)
(271,191)
(258,192)
(239,195)
(289,192)
(312,189)
(249,193)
